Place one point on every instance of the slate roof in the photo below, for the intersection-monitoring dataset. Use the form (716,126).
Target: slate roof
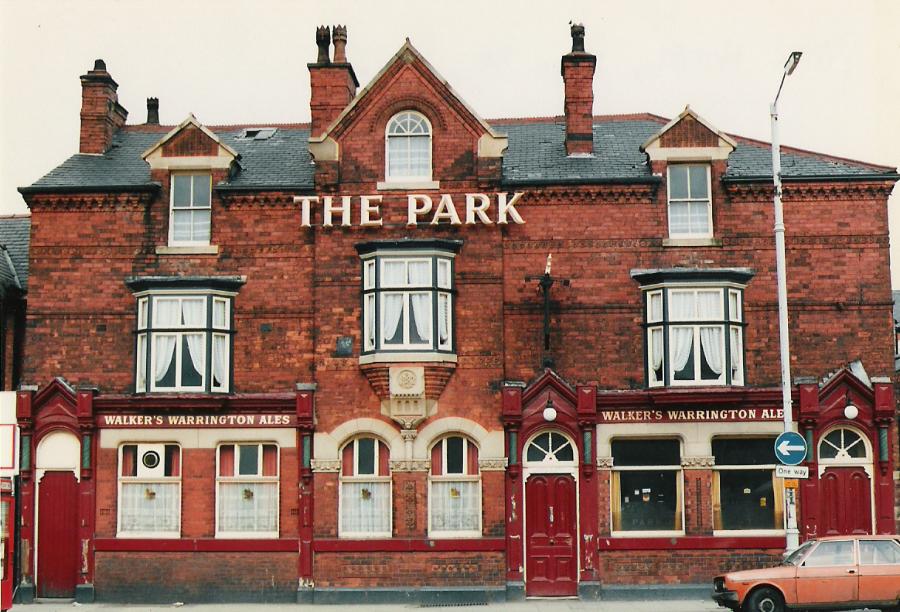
(536,155)
(15,235)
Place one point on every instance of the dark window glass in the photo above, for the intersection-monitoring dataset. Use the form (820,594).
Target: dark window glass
(646,452)
(648,500)
(190,375)
(687,372)
(831,553)
(744,451)
(747,498)
(365,449)
(455,460)
(248,462)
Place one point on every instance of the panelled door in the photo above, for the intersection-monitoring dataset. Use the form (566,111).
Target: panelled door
(57,558)
(846,501)
(551,528)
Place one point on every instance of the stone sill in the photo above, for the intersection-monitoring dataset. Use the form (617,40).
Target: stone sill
(188,250)
(691,242)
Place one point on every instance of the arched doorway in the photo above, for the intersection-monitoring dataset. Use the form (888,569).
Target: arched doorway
(551,515)
(845,482)
(57,473)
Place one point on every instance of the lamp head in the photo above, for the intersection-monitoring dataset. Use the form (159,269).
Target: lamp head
(791,64)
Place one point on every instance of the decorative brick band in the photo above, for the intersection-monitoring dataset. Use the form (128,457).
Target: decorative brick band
(697,463)
(326,465)
(404,465)
(492,465)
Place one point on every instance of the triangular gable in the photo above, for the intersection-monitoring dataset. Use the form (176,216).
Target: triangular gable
(490,144)
(689,133)
(190,144)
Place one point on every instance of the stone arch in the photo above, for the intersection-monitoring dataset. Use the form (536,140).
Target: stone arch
(328,445)
(490,444)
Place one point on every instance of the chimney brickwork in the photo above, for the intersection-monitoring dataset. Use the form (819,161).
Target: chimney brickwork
(152,111)
(101,113)
(332,83)
(577,68)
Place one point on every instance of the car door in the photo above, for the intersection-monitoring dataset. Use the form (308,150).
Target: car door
(879,571)
(828,575)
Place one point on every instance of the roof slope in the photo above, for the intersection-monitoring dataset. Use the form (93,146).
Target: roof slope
(15,236)
(536,155)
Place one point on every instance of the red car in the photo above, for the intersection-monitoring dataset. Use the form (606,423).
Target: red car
(833,573)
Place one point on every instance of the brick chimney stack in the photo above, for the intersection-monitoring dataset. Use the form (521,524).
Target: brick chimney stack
(577,68)
(152,111)
(332,83)
(101,113)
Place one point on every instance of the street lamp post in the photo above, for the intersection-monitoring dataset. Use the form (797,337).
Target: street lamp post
(790,502)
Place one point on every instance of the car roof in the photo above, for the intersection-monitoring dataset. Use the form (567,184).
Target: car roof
(858,537)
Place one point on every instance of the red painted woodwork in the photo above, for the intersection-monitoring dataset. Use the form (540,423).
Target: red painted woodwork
(58,551)
(551,536)
(846,498)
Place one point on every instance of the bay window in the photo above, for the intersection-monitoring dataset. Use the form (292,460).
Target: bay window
(693,326)
(183,342)
(247,490)
(408,295)
(454,499)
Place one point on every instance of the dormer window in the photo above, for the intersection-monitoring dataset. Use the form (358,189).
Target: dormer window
(408,148)
(690,205)
(190,209)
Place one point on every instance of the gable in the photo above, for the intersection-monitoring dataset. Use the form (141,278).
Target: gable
(408,82)
(190,141)
(689,132)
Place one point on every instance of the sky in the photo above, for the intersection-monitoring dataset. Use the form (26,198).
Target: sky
(231,62)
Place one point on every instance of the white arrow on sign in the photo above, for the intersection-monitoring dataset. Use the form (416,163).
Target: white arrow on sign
(785,448)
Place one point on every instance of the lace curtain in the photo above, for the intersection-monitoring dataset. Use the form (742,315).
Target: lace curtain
(149,507)
(248,506)
(455,505)
(192,315)
(219,360)
(366,507)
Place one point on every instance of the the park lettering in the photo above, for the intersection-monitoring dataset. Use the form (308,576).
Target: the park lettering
(420,208)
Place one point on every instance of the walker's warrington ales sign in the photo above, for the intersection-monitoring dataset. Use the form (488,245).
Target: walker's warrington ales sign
(689,416)
(337,210)
(162,421)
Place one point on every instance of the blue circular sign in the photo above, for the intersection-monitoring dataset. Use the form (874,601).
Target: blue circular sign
(790,448)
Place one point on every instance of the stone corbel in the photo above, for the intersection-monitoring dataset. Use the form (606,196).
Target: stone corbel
(698,463)
(491,464)
(326,465)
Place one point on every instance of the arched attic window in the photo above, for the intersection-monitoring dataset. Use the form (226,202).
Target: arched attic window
(408,147)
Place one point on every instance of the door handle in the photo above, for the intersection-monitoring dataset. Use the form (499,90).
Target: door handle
(851,571)
(551,542)
(551,514)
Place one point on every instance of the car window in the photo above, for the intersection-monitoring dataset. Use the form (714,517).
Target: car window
(795,557)
(879,552)
(833,552)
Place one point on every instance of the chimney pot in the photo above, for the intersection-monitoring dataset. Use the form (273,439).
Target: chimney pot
(323,40)
(99,64)
(339,37)
(153,111)
(577,38)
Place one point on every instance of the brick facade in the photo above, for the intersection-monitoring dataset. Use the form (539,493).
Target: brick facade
(299,303)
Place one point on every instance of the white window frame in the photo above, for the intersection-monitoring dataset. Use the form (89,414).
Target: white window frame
(679,485)
(191,208)
(440,288)
(463,477)
(777,494)
(127,480)
(364,478)
(404,178)
(659,322)
(145,346)
(690,201)
(238,478)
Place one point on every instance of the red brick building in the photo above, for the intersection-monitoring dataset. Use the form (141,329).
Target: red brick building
(335,360)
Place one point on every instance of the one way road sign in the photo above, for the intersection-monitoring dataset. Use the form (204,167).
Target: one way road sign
(790,448)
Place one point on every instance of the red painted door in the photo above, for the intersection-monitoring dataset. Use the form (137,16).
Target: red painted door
(551,535)
(57,560)
(846,501)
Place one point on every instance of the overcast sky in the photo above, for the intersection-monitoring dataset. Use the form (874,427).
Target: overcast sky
(245,62)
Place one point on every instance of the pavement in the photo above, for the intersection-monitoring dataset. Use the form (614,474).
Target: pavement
(530,605)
